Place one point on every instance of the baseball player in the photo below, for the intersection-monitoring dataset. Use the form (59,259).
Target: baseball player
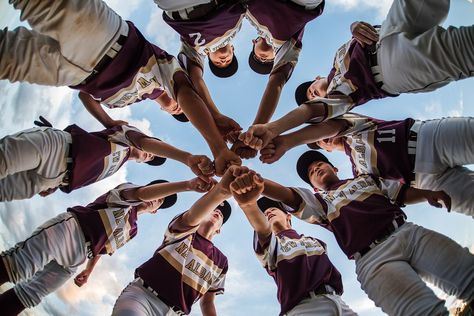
(426,154)
(393,257)
(116,67)
(207,29)
(187,267)
(409,53)
(307,281)
(276,49)
(44,261)
(40,160)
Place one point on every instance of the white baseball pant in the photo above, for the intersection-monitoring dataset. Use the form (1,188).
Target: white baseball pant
(418,55)
(135,300)
(323,305)
(443,147)
(48,258)
(68,39)
(32,161)
(393,273)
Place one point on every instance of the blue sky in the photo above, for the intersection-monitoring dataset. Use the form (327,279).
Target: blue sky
(249,290)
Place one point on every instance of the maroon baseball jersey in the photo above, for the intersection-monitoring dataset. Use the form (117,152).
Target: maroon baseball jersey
(109,222)
(211,32)
(356,210)
(184,267)
(298,264)
(139,71)
(281,24)
(98,155)
(380,148)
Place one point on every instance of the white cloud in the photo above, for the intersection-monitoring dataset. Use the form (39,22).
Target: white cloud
(161,33)
(125,8)
(381,6)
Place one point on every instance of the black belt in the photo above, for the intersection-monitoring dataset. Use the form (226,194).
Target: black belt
(397,222)
(149,288)
(323,289)
(411,147)
(104,62)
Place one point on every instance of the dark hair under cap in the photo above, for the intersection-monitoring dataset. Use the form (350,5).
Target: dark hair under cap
(258,66)
(225,209)
(225,72)
(300,92)
(181,117)
(265,203)
(306,160)
(170,200)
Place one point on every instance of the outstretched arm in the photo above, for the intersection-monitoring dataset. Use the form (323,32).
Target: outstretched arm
(434,198)
(82,277)
(246,189)
(197,112)
(281,193)
(270,97)
(94,108)
(207,304)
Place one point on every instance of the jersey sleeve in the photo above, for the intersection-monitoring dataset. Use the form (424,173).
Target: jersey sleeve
(286,58)
(265,250)
(311,209)
(188,55)
(115,198)
(218,284)
(177,230)
(394,190)
(125,134)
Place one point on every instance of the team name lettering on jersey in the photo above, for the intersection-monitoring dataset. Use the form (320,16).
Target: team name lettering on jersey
(113,161)
(117,227)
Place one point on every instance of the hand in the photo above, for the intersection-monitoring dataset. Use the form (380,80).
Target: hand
(201,166)
(113,123)
(247,188)
(274,151)
(438,198)
(224,159)
(257,136)
(228,128)
(243,150)
(82,278)
(198,185)
(231,173)
(364,33)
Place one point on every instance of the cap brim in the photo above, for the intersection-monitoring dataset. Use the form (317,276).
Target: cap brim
(258,66)
(181,117)
(225,72)
(306,160)
(265,203)
(313,146)
(301,91)
(157,161)
(226,210)
(170,200)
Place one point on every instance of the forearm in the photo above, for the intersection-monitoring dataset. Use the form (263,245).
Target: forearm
(205,205)
(199,115)
(92,262)
(196,77)
(162,149)
(281,193)
(94,108)
(270,99)
(257,219)
(208,309)
(313,133)
(296,117)
(160,190)
(414,196)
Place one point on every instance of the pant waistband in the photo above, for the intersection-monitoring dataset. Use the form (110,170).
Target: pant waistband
(411,145)
(110,54)
(394,225)
(69,161)
(321,290)
(149,288)
(375,68)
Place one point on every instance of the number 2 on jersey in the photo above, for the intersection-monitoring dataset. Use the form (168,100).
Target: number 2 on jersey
(198,41)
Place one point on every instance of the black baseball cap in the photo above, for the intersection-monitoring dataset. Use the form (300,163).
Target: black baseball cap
(306,160)
(157,161)
(225,72)
(265,203)
(314,146)
(225,209)
(170,200)
(263,68)
(300,92)
(181,117)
